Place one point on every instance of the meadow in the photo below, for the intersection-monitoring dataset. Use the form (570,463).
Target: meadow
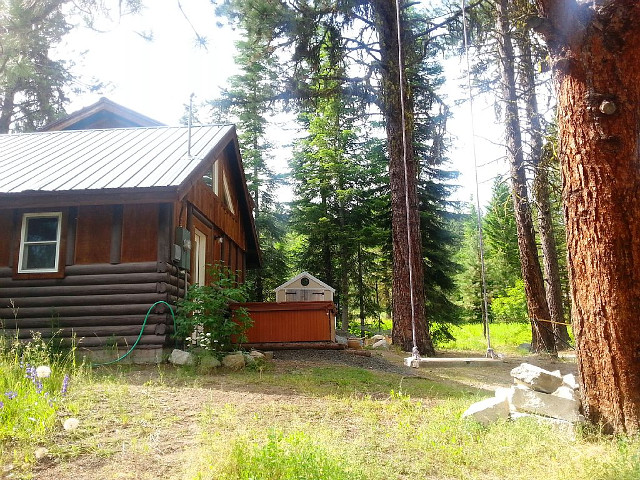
(330,416)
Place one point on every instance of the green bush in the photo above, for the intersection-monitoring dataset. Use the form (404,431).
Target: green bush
(512,307)
(206,312)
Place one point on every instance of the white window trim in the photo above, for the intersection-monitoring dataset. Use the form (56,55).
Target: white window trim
(25,217)
(215,180)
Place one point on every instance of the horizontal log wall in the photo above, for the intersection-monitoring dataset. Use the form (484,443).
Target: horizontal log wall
(99,304)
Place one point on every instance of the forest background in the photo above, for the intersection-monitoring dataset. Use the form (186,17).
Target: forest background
(317,81)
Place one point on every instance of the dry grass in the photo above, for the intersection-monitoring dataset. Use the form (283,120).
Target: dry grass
(310,420)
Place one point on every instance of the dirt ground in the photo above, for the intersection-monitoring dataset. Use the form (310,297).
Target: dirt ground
(139,445)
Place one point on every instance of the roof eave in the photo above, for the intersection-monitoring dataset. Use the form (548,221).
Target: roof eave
(107,196)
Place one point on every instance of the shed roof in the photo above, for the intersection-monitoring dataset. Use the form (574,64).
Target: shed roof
(311,277)
(120,158)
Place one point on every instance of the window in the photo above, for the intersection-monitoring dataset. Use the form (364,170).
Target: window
(228,202)
(40,243)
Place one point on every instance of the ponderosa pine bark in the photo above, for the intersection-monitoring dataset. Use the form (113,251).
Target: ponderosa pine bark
(595,49)
(405,234)
(542,336)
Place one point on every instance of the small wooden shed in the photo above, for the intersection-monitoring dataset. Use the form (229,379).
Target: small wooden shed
(99,223)
(304,287)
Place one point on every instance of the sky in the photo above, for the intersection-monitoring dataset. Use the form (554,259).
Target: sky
(157,77)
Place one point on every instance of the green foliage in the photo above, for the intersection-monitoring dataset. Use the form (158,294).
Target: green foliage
(206,312)
(291,456)
(512,306)
(505,337)
(33,387)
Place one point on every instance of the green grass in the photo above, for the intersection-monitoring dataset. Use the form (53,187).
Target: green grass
(344,381)
(505,337)
(32,399)
(308,422)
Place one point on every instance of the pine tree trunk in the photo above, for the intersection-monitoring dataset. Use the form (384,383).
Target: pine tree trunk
(542,196)
(542,336)
(407,290)
(596,54)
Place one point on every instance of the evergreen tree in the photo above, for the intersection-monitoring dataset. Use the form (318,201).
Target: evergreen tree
(248,102)
(31,83)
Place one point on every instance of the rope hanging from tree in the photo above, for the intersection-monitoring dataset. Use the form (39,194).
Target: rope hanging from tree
(485,304)
(415,352)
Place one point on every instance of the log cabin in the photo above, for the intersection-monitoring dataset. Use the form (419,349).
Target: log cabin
(106,212)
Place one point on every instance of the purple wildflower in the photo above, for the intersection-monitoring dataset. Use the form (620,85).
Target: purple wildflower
(38,386)
(1,404)
(31,373)
(65,384)
(11,394)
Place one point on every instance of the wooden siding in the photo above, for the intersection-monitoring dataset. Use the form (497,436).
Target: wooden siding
(202,197)
(140,233)
(99,304)
(291,322)
(93,234)
(6,228)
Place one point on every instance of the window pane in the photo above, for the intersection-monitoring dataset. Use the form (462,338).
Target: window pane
(42,229)
(37,257)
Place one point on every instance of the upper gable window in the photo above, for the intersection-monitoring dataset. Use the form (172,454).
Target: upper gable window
(40,242)
(212,177)
(228,200)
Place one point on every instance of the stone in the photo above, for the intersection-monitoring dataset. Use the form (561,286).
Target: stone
(341,340)
(570,381)
(268,355)
(209,363)
(248,359)
(180,357)
(71,424)
(377,338)
(566,392)
(257,355)
(381,344)
(234,361)
(40,453)
(489,410)
(523,399)
(560,426)
(536,378)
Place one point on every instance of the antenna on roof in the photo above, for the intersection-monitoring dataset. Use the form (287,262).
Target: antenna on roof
(190,122)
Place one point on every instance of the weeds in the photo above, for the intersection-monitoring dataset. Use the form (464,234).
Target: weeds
(34,385)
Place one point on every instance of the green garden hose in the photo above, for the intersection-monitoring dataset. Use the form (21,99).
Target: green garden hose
(140,335)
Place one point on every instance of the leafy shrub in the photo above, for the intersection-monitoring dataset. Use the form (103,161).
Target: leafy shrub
(512,307)
(206,312)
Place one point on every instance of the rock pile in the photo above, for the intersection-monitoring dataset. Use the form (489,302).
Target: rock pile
(537,392)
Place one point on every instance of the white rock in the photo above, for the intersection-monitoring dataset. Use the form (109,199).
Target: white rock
(40,453)
(180,357)
(381,344)
(234,361)
(566,392)
(71,424)
(536,378)
(526,400)
(570,381)
(489,410)
(256,354)
(561,426)
(377,338)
